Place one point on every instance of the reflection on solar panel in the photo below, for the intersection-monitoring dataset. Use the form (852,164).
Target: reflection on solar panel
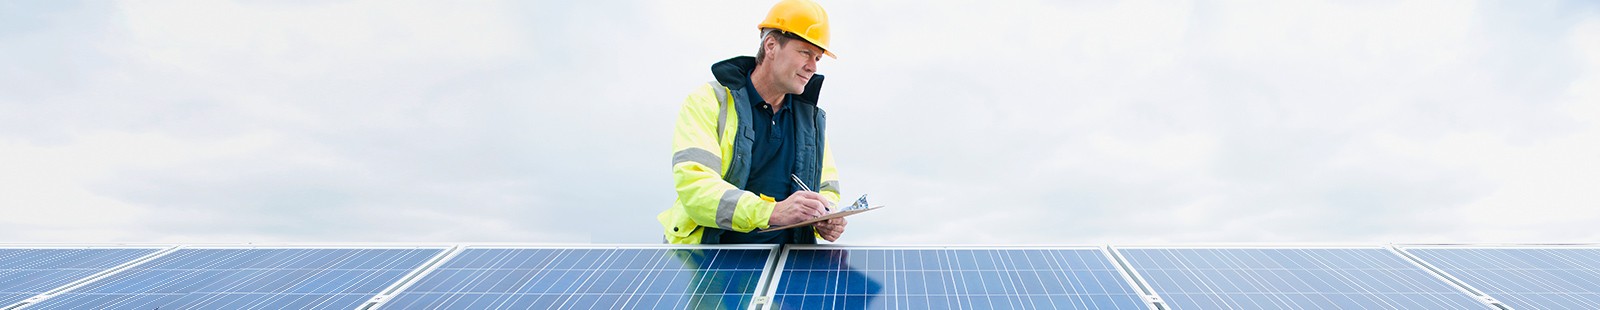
(1291,278)
(659,277)
(950,278)
(1524,277)
(28,272)
(241,278)
(800,276)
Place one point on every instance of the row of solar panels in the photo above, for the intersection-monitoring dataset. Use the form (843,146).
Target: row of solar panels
(799,277)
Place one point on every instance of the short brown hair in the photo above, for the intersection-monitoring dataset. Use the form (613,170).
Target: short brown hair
(783,40)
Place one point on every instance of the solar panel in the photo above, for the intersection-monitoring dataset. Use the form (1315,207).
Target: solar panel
(29,272)
(829,277)
(1523,277)
(245,278)
(805,277)
(638,277)
(1291,278)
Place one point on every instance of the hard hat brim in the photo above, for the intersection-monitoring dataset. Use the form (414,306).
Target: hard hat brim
(825,50)
(808,39)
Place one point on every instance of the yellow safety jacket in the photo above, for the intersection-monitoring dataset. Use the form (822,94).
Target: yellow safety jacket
(711,145)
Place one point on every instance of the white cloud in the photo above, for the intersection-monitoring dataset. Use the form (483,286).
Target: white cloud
(1548,183)
(1036,121)
(51,186)
(1238,122)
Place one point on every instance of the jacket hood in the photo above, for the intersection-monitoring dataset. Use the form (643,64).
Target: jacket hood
(734,72)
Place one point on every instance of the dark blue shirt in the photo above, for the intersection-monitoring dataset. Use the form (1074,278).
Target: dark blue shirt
(772,161)
(772,156)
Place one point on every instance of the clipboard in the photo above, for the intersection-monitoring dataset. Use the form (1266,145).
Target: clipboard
(823,218)
(860,206)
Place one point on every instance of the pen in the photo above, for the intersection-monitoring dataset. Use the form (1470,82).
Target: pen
(806,188)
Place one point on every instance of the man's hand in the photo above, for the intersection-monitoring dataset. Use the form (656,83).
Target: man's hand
(831,229)
(799,207)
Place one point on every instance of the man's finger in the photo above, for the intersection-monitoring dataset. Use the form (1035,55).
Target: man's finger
(800,206)
(831,229)
(826,205)
(813,207)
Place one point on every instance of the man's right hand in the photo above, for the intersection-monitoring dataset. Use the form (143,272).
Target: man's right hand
(799,207)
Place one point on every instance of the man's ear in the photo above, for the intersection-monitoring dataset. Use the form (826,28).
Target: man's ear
(771,45)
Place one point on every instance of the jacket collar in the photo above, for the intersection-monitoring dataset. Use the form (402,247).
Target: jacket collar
(734,73)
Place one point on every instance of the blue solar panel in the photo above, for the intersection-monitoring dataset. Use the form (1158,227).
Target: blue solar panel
(592,278)
(950,278)
(246,278)
(1524,277)
(28,272)
(1292,278)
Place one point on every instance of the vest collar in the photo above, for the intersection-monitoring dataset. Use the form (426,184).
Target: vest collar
(734,73)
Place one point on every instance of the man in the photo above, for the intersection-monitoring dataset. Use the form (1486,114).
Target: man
(741,142)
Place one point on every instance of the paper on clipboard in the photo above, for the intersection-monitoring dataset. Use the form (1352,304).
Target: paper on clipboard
(856,208)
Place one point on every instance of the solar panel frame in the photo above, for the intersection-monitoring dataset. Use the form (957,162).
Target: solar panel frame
(174,249)
(1155,295)
(763,280)
(772,273)
(378,300)
(159,249)
(1487,296)
(1127,278)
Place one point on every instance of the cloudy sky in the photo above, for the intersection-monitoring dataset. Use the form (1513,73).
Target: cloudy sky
(1073,122)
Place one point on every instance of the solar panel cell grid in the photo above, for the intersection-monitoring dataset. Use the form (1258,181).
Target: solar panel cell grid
(604,278)
(1524,278)
(951,278)
(246,278)
(808,277)
(1291,278)
(28,272)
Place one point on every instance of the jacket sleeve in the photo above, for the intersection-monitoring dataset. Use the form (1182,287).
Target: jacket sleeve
(698,164)
(830,176)
(830,180)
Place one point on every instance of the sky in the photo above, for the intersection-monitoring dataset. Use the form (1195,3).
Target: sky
(973,122)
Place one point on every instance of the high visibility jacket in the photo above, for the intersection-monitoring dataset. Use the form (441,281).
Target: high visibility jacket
(711,145)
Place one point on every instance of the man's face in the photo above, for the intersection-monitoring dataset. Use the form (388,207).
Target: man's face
(793,64)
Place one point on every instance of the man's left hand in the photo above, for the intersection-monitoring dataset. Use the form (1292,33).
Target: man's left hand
(831,229)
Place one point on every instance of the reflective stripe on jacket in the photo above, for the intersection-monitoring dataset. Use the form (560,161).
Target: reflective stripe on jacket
(711,144)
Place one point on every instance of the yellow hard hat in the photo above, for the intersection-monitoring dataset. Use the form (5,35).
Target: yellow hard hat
(802,18)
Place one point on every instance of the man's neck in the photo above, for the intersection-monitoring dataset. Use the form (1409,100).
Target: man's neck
(769,91)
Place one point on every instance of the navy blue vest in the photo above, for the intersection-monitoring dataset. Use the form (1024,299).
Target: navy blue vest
(810,123)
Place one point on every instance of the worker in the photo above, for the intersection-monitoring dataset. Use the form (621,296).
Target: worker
(744,143)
